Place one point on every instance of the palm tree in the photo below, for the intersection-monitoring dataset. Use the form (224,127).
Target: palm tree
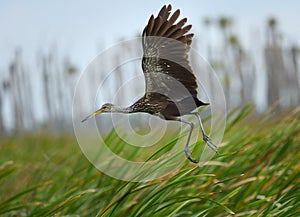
(276,76)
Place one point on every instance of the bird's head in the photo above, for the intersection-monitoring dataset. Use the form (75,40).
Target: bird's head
(107,107)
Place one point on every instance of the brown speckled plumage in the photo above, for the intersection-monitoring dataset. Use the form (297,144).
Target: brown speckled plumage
(165,61)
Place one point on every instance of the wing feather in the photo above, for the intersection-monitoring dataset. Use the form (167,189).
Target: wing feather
(166,45)
(174,16)
(150,25)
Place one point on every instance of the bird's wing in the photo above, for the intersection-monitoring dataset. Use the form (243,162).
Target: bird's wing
(165,60)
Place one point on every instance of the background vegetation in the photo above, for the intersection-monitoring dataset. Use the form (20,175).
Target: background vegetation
(256,174)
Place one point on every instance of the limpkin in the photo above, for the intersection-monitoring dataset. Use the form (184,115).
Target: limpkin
(166,45)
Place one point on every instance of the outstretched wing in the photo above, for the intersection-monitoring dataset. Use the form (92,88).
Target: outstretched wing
(165,60)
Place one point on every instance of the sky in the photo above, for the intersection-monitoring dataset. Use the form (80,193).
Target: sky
(80,29)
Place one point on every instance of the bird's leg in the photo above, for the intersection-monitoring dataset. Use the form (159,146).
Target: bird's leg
(186,148)
(204,136)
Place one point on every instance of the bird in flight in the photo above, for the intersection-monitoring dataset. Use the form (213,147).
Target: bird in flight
(171,86)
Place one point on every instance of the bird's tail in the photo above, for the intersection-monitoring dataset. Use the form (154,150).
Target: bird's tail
(200,103)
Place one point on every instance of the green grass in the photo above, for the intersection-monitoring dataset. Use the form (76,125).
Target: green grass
(257,173)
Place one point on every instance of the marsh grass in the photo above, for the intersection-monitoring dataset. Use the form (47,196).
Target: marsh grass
(256,173)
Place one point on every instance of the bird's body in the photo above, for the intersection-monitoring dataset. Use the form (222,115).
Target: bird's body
(159,104)
(171,86)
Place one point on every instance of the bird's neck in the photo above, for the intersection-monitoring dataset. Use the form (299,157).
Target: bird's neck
(120,109)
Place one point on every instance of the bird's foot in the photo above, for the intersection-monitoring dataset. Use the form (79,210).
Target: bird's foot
(189,155)
(209,143)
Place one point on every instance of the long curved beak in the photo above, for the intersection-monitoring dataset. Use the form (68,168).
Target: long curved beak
(92,115)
